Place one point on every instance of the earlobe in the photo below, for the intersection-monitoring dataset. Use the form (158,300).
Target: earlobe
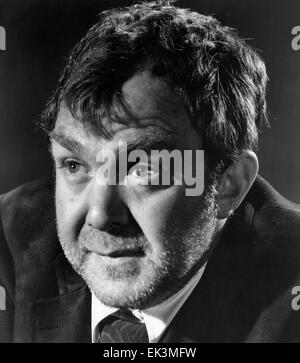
(235,183)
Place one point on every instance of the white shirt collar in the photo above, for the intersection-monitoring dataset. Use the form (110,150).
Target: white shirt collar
(156,318)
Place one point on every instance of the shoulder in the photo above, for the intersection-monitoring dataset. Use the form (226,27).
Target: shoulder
(264,197)
(29,197)
(261,256)
(28,211)
(28,247)
(275,222)
(29,228)
(263,240)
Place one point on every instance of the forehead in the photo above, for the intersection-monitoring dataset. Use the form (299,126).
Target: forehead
(151,104)
(149,96)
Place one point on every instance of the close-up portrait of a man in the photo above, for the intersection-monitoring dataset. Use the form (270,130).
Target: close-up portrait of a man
(155,225)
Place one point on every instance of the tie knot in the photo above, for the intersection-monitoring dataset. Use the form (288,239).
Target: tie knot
(122,327)
(126,315)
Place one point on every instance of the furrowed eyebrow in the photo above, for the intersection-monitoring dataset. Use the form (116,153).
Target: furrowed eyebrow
(153,141)
(147,141)
(66,141)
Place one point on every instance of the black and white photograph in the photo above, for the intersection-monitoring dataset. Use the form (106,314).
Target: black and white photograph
(149,174)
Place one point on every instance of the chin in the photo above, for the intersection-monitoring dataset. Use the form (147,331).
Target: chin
(126,285)
(115,283)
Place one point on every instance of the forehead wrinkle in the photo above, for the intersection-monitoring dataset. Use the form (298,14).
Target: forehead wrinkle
(148,97)
(122,112)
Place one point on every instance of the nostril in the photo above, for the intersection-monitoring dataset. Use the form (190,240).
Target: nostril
(115,228)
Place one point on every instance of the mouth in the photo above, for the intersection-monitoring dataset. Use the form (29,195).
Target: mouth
(133,252)
(119,253)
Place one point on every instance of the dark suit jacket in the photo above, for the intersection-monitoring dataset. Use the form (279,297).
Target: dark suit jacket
(245,294)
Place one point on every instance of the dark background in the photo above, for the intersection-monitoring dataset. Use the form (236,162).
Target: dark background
(40,33)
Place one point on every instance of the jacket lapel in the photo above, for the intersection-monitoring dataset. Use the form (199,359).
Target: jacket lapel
(218,308)
(65,318)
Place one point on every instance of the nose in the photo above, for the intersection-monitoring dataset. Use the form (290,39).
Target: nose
(106,208)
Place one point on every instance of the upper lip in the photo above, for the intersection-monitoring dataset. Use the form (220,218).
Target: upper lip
(122,252)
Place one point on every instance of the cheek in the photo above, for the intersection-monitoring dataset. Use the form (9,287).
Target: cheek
(157,212)
(70,212)
(60,202)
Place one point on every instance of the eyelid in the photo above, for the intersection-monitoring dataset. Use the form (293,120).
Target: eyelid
(62,163)
(139,165)
(150,172)
(69,161)
(59,151)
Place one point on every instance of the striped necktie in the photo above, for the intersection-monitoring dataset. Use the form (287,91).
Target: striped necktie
(122,327)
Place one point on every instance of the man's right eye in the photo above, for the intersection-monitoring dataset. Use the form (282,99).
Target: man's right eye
(72,166)
(74,170)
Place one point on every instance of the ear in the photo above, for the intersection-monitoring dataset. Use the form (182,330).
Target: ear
(236,182)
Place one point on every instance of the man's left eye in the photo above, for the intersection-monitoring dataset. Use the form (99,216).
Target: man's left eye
(142,174)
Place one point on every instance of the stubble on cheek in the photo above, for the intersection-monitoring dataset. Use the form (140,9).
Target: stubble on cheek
(66,230)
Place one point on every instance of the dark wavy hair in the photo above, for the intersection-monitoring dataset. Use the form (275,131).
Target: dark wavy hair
(220,79)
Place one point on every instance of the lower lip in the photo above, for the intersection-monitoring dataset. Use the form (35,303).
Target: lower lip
(118,260)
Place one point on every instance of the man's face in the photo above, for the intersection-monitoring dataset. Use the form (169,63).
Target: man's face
(135,245)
